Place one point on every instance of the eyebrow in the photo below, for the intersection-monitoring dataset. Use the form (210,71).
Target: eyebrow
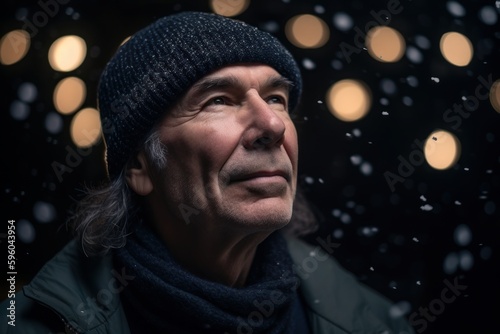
(216,83)
(278,82)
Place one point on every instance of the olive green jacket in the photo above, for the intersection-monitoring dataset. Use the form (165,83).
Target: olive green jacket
(76,294)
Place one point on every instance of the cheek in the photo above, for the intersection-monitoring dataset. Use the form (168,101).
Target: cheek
(217,143)
(202,148)
(291,143)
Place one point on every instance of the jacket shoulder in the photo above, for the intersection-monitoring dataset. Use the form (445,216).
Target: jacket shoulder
(26,316)
(336,301)
(74,291)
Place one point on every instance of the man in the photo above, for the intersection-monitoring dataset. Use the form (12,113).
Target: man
(202,159)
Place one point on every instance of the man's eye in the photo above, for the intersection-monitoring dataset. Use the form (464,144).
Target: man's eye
(216,101)
(219,100)
(276,99)
(278,102)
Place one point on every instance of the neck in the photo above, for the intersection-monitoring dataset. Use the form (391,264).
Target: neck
(220,256)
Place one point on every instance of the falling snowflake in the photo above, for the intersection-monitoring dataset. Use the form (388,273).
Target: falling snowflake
(308,64)
(309,180)
(426,207)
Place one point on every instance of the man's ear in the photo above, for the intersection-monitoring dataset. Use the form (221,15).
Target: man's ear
(138,176)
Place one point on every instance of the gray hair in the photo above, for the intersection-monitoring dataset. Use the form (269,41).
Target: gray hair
(102,219)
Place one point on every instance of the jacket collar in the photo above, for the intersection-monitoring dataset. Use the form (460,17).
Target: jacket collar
(83,291)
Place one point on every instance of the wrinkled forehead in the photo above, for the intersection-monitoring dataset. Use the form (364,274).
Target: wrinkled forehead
(253,75)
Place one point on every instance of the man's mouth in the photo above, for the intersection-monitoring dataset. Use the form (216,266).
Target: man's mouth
(268,175)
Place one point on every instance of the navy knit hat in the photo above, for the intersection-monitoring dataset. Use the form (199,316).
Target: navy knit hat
(152,71)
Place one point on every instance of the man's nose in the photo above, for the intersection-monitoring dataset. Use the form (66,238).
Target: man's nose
(265,127)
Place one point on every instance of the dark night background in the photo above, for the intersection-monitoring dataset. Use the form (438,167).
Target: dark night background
(386,239)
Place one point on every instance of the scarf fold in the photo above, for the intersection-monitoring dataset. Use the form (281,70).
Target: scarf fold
(166,298)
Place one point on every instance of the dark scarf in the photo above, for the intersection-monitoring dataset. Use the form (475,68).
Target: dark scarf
(165,298)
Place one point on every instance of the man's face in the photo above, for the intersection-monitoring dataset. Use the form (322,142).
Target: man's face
(232,152)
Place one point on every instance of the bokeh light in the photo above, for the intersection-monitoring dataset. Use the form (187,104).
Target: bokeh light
(462,235)
(44,212)
(349,100)
(488,15)
(307,31)
(86,127)
(19,110)
(414,55)
(14,46)
(456,48)
(366,174)
(466,260)
(442,149)
(27,92)
(495,95)
(422,42)
(67,53)
(69,95)
(25,231)
(342,21)
(388,86)
(455,8)
(385,44)
(450,263)
(53,122)
(229,7)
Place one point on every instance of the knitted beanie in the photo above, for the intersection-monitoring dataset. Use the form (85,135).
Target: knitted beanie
(152,71)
